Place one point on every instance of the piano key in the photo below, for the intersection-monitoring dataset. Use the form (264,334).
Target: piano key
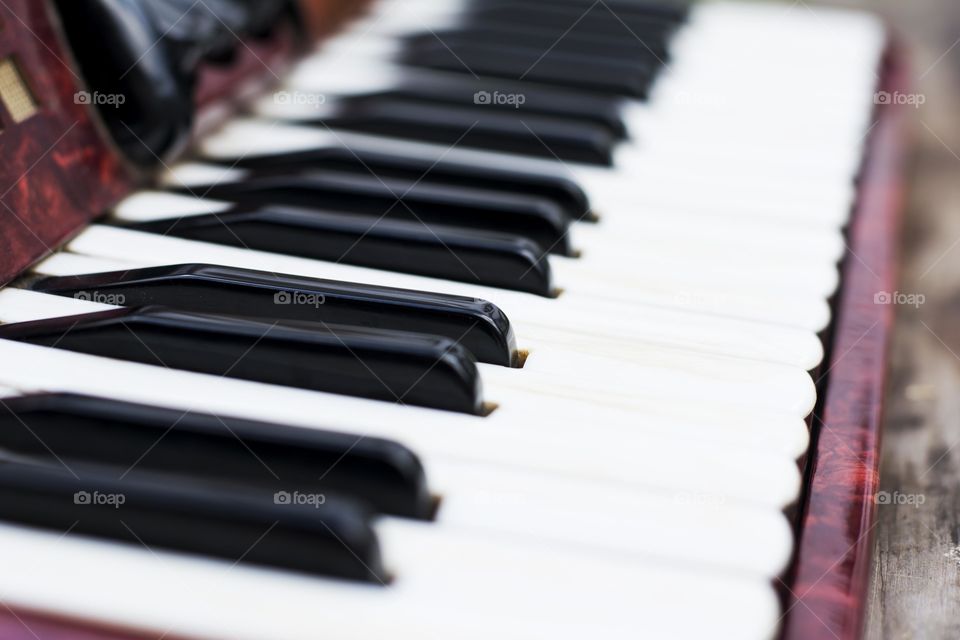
(643,48)
(605,188)
(588,319)
(476,324)
(418,201)
(271,459)
(470,125)
(552,371)
(665,527)
(391,366)
(325,77)
(546,437)
(490,259)
(334,539)
(392,17)
(518,587)
(572,511)
(564,70)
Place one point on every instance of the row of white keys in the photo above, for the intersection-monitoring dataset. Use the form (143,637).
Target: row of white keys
(488,470)
(593,515)
(471,459)
(672,355)
(505,500)
(450,586)
(644,407)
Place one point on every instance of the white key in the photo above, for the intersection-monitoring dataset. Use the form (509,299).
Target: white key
(525,592)
(523,436)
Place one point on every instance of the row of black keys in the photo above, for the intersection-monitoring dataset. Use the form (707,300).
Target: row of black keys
(298,499)
(614,47)
(570,101)
(572,63)
(442,219)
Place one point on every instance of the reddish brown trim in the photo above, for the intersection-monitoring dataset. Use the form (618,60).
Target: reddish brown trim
(832,571)
(57,172)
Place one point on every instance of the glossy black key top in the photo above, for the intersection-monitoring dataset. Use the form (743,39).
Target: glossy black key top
(595,18)
(556,68)
(670,10)
(408,368)
(478,325)
(422,202)
(463,89)
(565,194)
(332,539)
(483,258)
(642,47)
(256,457)
(472,126)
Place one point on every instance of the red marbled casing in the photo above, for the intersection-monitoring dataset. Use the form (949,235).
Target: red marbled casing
(831,576)
(57,170)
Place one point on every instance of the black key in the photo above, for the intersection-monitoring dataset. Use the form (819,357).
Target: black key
(421,202)
(333,539)
(248,456)
(463,89)
(415,369)
(483,258)
(613,20)
(472,126)
(565,194)
(673,11)
(499,60)
(643,48)
(477,325)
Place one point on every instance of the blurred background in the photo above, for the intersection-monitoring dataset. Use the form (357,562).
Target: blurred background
(916,581)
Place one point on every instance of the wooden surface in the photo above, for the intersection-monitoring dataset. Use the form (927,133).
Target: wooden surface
(916,576)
